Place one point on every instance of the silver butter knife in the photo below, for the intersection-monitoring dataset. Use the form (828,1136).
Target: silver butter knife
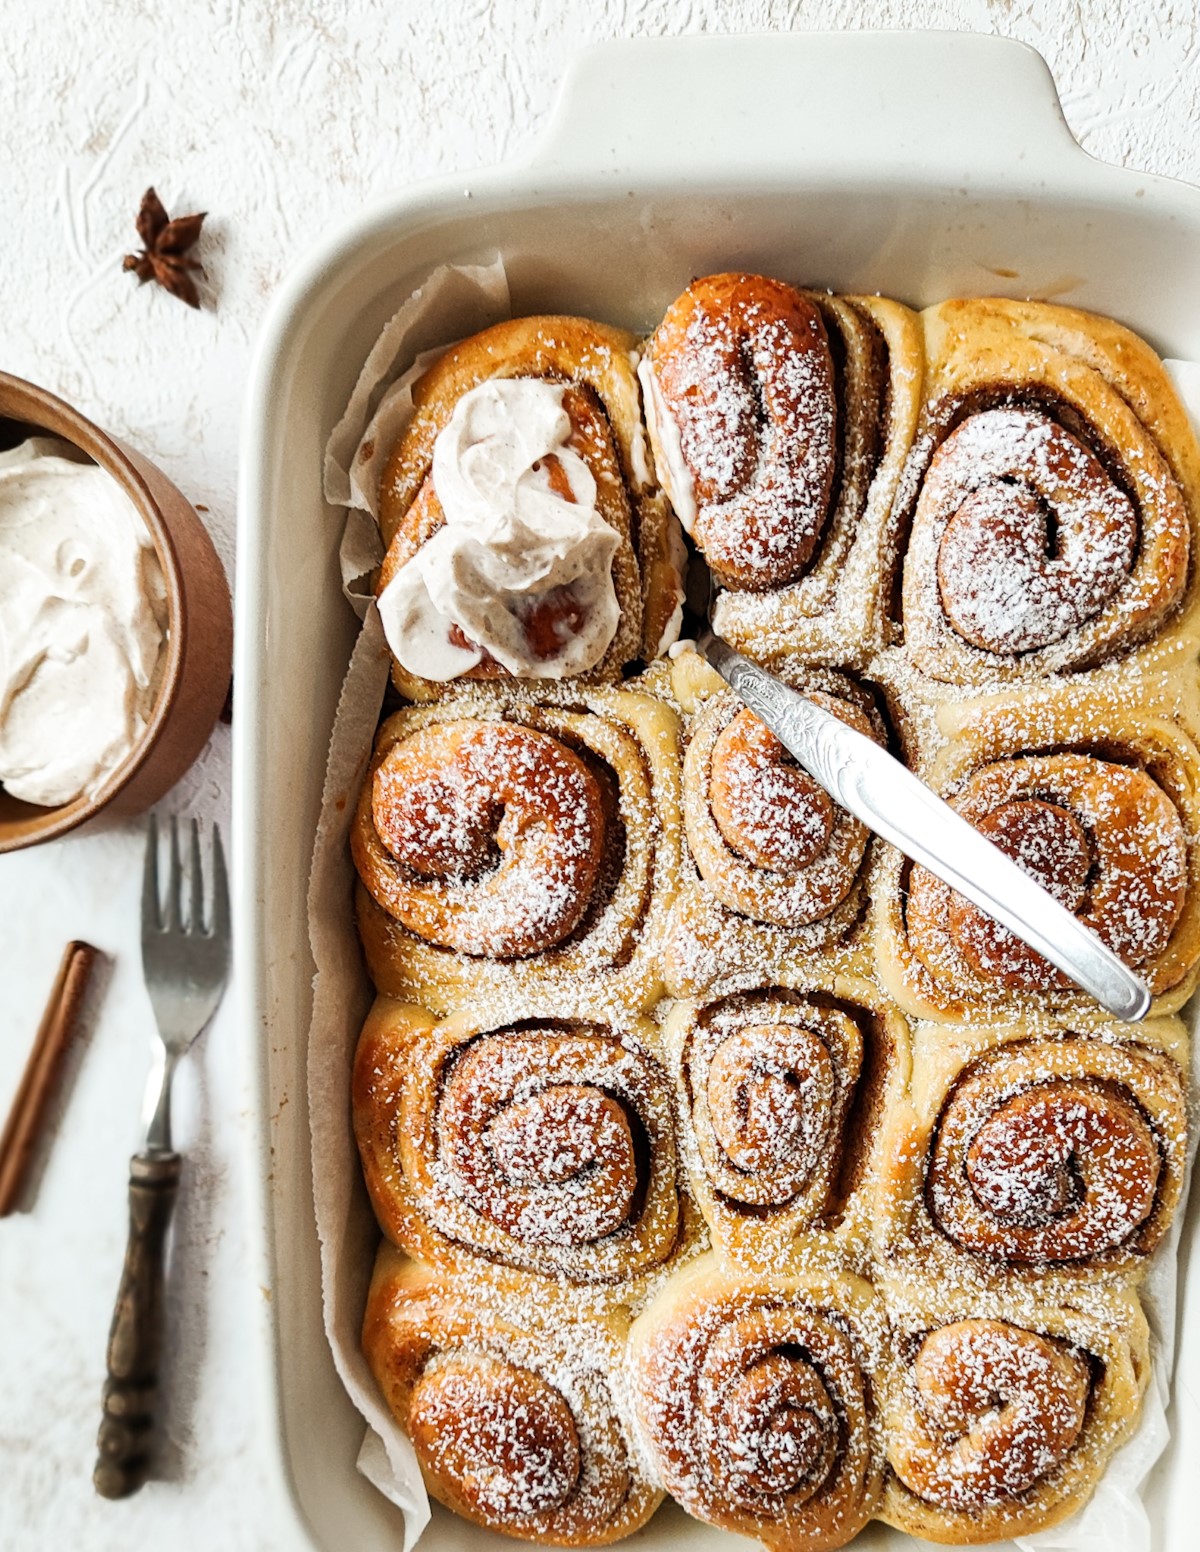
(886,796)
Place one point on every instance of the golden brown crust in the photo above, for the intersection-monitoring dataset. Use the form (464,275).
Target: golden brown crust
(769,842)
(782,871)
(482,837)
(1000,1425)
(1053,1160)
(837,612)
(784,1093)
(1103,838)
(756,1402)
(743,367)
(1013,1401)
(548,1148)
(608,959)
(1051,499)
(1097,801)
(508,1406)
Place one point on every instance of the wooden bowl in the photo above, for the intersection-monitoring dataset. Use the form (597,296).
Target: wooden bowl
(197,653)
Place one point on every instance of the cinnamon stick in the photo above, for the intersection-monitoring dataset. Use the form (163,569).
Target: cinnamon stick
(42,1070)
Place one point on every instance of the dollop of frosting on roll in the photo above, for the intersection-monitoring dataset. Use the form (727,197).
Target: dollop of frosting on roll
(521,569)
(673,472)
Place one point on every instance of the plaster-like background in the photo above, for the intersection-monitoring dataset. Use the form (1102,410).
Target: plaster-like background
(279,119)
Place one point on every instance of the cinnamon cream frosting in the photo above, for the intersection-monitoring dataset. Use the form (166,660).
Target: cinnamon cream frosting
(521,528)
(82,622)
(673,472)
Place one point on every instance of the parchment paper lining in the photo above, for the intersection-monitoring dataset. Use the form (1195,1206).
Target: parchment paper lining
(454,302)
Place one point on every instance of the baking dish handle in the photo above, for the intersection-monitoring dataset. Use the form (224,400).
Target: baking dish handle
(938,106)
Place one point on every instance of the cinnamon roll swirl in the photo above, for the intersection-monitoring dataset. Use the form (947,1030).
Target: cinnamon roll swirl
(508,1405)
(1002,1423)
(1100,807)
(1051,498)
(526,458)
(783,1094)
(524,851)
(780,421)
(547,1147)
(741,378)
(756,1404)
(1055,1158)
(771,847)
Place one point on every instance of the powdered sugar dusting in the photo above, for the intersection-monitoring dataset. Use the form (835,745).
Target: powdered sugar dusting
(993,1409)
(1062,1169)
(1036,538)
(1105,838)
(742,367)
(767,840)
(495,834)
(1002,1210)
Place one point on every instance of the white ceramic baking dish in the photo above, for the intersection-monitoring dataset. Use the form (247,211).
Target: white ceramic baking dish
(917,164)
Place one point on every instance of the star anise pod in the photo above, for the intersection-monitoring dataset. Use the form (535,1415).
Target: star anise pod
(165,243)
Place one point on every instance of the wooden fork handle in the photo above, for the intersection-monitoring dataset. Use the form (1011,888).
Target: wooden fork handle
(126,1437)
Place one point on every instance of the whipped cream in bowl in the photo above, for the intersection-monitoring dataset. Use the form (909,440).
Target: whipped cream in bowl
(83,618)
(116,631)
(520,572)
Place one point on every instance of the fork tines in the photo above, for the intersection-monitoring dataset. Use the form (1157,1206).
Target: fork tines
(153,919)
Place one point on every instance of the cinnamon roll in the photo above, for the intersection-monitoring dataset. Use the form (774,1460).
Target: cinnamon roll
(547,1147)
(523,851)
(524,537)
(1051,498)
(756,1403)
(508,1405)
(741,376)
(1039,1158)
(783,1094)
(1097,804)
(1001,1423)
(771,847)
(780,420)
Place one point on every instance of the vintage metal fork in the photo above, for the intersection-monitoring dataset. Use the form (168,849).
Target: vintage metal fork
(186,965)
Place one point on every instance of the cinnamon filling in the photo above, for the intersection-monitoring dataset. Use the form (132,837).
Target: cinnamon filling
(775,1436)
(781,1433)
(490,837)
(1037,539)
(1078,1161)
(770,1094)
(1063,1168)
(539,1131)
(743,366)
(1105,839)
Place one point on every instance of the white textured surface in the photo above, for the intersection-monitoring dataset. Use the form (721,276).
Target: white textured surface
(279,122)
